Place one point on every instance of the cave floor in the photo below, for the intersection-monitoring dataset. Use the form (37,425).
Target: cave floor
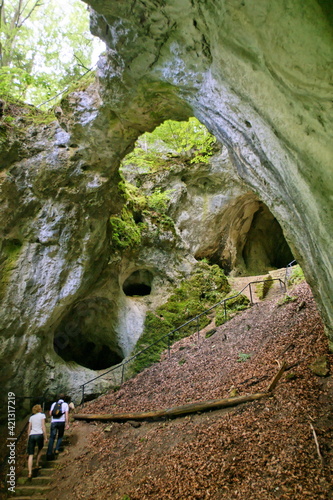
(261,450)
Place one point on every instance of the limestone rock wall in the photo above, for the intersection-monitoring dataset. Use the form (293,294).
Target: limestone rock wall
(257,74)
(216,215)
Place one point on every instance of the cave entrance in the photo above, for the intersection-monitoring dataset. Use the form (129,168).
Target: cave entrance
(265,246)
(87,353)
(249,240)
(138,283)
(86,335)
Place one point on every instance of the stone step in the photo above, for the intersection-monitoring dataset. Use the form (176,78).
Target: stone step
(36,480)
(44,471)
(37,497)
(32,490)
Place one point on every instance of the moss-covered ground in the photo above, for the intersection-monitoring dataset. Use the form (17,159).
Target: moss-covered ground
(184,313)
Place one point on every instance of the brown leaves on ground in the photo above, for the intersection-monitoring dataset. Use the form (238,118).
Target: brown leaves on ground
(260,451)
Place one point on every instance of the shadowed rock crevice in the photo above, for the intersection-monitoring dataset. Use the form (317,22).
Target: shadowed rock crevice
(138,283)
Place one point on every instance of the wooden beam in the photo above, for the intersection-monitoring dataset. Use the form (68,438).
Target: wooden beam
(174,411)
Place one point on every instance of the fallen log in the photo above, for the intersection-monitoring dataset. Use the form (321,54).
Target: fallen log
(277,377)
(175,411)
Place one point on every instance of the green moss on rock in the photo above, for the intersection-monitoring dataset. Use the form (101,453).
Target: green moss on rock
(207,286)
(263,287)
(236,303)
(10,254)
(125,232)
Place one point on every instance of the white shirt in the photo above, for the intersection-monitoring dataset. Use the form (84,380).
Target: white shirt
(36,423)
(64,408)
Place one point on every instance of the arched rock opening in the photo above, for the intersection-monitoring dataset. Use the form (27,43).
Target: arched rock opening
(138,283)
(85,335)
(249,241)
(266,97)
(265,246)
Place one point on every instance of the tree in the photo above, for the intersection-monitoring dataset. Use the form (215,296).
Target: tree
(14,67)
(188,141)
(43,47)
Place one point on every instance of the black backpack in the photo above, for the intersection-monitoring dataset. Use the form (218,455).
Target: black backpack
(57,410)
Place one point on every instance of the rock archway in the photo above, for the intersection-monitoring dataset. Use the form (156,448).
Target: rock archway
(258,76)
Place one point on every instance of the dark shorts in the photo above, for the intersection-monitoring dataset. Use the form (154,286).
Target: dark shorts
(35,439)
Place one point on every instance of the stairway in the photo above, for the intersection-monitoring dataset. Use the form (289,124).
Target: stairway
(39,487)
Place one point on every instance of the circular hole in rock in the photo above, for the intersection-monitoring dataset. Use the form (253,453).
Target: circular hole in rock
(138,283)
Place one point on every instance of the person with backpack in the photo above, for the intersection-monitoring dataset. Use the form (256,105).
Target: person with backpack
(36,436)
(59,412)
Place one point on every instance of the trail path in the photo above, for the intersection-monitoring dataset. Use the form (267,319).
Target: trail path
(260,450)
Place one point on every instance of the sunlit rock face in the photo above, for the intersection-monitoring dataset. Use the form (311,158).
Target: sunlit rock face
(259,76)
(216,215)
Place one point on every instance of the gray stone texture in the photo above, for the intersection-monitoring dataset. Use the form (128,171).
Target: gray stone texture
(257,74)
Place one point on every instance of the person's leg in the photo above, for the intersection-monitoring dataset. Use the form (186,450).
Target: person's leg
(53,434)
(40,450)
(30,450)
(30,461)
(61,430)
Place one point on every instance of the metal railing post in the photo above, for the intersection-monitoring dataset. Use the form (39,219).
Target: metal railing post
(225,309)
(198,329)
(168,346)
(82,401)
(122,373)
(251,298)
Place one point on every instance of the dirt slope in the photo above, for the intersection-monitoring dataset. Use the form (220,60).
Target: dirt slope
(261,451)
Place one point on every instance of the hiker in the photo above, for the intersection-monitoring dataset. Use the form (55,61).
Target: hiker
(36,436)
(59,412)
(70,403)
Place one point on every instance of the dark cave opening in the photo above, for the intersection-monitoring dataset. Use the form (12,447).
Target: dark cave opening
(86,353)
(133,289)
(251,243)
(86,335)
(265,247)
(138,283)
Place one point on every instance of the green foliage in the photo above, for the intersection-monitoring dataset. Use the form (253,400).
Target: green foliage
(43,47)
(286,300)
(204,288)
(243,357)
(263,287)
(125,232)
(10,254)
(237,303)
(188,141)
(158,201)
(297,276)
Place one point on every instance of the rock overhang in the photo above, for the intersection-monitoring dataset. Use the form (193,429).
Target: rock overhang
(257,76)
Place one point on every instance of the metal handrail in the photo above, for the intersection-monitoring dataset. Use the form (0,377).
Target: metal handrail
(195,318)
(288,268)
